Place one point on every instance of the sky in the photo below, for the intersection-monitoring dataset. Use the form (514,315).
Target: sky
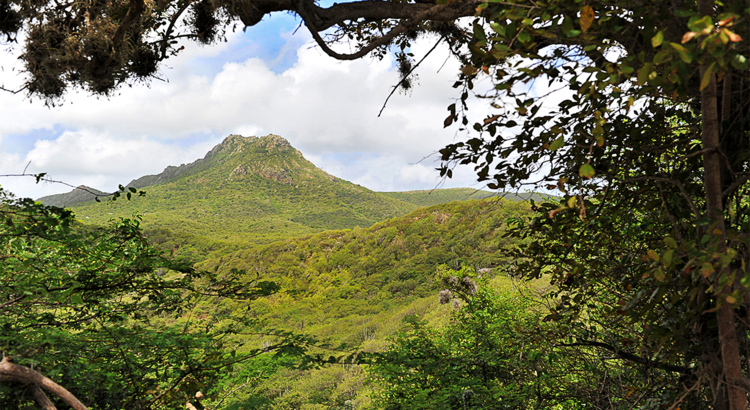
(265,80)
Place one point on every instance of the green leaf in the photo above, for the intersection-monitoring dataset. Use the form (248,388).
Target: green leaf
(557,144)
(480,34)
(653,255)
(667,257)
(700,24)
(586,171)
(657,39)
(497,28)
(644,72)
(682,52)
(661,56)
(670,242)
(728,257)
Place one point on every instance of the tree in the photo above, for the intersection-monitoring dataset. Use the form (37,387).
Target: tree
(494,353)
(650,115)
(97,315)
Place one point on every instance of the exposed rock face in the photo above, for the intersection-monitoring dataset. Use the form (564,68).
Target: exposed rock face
(231,146)
(236,144)
(263,170)
(169,173)
(276,142)
(278,175)
(239,170)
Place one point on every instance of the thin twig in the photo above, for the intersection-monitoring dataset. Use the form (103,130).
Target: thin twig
(679,401)
(675,182)
(7,90)
(405,76)
(42,178)
(736,184)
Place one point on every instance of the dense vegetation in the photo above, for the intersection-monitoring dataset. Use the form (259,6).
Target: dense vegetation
(347,289)
(353,287)
(101,313)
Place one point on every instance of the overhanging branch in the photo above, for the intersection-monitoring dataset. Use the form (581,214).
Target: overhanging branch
(628,356)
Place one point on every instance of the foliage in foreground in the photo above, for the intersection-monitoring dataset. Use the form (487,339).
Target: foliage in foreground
(102,314)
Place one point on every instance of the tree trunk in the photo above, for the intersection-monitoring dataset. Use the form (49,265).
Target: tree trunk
(730,351)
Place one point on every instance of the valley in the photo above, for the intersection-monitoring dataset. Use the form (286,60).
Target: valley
(351,263)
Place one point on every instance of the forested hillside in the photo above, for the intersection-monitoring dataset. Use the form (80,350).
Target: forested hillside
(355,287)
(255,218)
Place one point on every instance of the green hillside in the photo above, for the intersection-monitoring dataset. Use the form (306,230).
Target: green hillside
(444,196)
(249,190)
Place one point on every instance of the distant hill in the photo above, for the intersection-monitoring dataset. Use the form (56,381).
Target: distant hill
(249,189)
(444,196)
(76,196)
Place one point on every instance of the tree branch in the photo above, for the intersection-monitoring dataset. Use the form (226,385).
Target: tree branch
(11,372)
(446,12)
(134,11)
(675,182)
(629,356)
(736,184)
(405,76)
(41,398)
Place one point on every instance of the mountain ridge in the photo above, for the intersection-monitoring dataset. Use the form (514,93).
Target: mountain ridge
(79,194)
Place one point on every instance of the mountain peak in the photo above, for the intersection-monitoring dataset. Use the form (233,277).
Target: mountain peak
(236,143)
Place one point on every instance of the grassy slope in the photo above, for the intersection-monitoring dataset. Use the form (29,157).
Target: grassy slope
(355,286)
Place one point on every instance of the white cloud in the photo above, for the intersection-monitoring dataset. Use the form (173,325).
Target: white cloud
(326,108)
